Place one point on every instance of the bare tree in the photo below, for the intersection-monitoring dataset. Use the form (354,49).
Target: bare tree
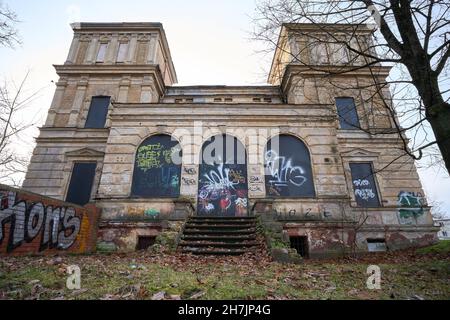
(8,33)
(413,36)
(15,120)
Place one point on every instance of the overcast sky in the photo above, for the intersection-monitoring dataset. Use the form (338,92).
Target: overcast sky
(209,42)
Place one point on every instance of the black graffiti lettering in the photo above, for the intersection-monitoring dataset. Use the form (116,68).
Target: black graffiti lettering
(308,212)
(51,228)
(34,221)
(71,228)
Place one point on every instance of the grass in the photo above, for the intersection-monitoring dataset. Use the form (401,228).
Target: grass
(442,247)
(142,275)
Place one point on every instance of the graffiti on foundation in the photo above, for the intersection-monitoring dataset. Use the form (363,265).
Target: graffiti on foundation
(303,213)
(57,227)
(411,206)
(152,213)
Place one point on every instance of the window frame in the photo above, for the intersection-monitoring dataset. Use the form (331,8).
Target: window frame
(104,53)
(342,119)
(91,109)
(375,183)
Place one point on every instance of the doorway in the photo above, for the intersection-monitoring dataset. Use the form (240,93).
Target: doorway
(223,185)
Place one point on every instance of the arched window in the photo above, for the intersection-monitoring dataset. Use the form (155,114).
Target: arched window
(157,168)
(288,168)
(223,186)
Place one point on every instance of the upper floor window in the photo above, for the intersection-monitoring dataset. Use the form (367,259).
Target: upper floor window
(123,52)
(348,116)
(364,186)
(97,112)
(101,54)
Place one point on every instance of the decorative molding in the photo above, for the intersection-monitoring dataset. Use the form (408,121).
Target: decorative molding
(85,152)
(359,153)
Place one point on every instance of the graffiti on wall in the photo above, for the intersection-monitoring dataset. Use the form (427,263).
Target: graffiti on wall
(223,190)
(38,221)
(222,183)
(411,206)
(364,186)
(363,190)
(157,169)
(288,168)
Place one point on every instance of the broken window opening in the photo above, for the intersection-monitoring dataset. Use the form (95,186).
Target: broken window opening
(301,245)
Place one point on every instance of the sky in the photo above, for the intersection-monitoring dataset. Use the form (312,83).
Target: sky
(209,42)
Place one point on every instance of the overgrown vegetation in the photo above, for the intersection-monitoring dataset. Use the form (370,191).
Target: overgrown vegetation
(146,275)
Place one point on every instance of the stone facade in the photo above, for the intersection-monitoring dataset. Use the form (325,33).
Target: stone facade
(131,64)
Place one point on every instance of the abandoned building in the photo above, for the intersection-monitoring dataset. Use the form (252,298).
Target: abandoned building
(300,155)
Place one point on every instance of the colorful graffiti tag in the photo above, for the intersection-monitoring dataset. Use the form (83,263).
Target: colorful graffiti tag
(37,224)
(411,206)
(288,168)
(157,169)
(223,186)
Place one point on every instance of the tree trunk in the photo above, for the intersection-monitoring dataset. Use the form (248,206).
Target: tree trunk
(440,123)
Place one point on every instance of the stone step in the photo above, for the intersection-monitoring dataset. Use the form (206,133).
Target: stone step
(222,221)
(232,238)
(197,244)
(219,226)
(219,232)
(214,251)
(218,235)
(221,218)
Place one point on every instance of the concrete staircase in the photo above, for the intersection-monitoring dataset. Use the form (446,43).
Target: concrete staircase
(219,235)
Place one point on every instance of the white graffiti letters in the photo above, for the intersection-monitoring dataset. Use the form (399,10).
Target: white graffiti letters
(283,171)
(365,194)
(219,180)
(59,226)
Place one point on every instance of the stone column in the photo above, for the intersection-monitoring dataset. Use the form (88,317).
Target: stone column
(132,49)
(77,106)
(124,86)
(111,54)
(56,103)
(152,50)
(91,54)
(147,90)
(72,56)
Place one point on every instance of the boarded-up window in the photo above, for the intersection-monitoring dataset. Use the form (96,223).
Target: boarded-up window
(157,168)
(288,168)
(364,186)
(123,52)
(97,112)
(348,116)
(102,52)
(81,182)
